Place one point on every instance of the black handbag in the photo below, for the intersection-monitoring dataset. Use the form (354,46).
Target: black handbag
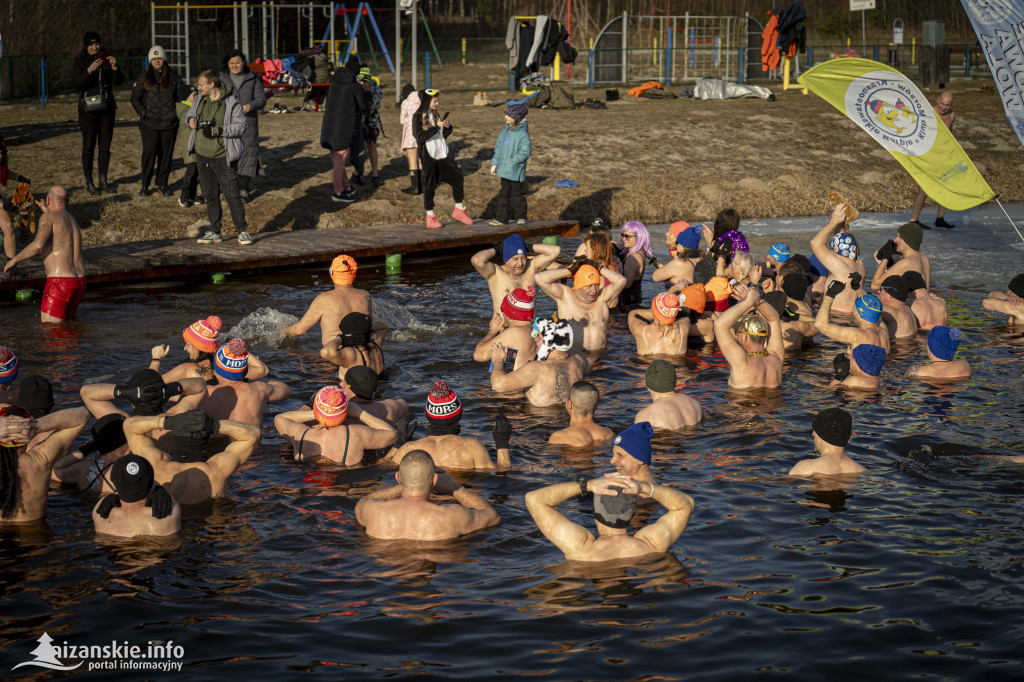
(98,102)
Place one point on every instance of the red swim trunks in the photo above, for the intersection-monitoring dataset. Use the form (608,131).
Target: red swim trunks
(62,296)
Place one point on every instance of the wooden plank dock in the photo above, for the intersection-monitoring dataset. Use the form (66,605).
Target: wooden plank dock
(170,258)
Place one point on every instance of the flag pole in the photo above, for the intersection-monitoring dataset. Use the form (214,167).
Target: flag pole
(1008,217)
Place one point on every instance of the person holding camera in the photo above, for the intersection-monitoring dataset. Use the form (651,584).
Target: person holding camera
(154,97)
(218,124)
(94,74)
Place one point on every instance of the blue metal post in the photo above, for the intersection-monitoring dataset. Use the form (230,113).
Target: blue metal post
(591,76)
(743,68)
(668,57)
(876,53)
(42,81)
(692,32)
(967,61)
(717,56)
(810,56)
(426,69)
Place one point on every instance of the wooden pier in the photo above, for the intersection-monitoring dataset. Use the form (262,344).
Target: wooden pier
(173,258)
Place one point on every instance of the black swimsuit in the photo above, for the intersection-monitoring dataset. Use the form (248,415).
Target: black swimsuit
(320,458)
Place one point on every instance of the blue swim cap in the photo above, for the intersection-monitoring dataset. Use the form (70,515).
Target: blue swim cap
(817,267)
(943,341)
(513,246)
(869,307)
(780,252)
(636,440)
(869,358)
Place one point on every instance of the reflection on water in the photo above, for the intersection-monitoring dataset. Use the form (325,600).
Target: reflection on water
(279,578)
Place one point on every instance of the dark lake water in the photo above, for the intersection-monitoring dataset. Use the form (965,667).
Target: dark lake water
(914,570)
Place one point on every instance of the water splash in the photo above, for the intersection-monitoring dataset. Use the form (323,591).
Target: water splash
(262,326)
(403,325)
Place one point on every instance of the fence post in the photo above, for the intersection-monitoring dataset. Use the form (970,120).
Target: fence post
(810,56)
(42,81)
(668,58)
(967,61)
(426,69)
(876,53)
(742,68)
(590,76)
(463,50)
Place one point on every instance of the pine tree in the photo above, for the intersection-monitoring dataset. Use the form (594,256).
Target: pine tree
(45,651)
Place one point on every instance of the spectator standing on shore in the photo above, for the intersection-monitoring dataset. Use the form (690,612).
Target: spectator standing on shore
(154,97)
(6,226)
(190,183)
(372,127)
(511,152)
(436,157)
(94,73)
(248,88)
(343,118)
(410,103)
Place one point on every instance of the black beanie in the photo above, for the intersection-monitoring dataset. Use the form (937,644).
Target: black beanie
(795,286)
(90,38)
(834,426)
(661,376)
(362,380)
(36,395)
(1017,286)
(914,280)
(132,478)
(777,300)
(615,511)
(896,286)
(355,329)
(107,435)
(703,271)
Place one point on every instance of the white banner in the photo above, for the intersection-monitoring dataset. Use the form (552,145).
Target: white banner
(856,5)
(1000,28)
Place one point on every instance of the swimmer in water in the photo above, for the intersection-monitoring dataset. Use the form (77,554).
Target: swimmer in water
(139,507)
(517,270)
(907,244)
(582,431)
(943,343)
(867,315)
(330,307)
(631,454)
(85,469)
(839,253)
(899,319)
(797,318)
(663,333)
(1010,303)
(201,339)
(360,386)
(234,397)
(512,328)
(929,309)
(832,429)
(668,410)
(359,342)
(859,368)
(547,379)
(147,393)
(405,511)
(586,304)
(615,501)
(754,350)
(686,255)
(330,439)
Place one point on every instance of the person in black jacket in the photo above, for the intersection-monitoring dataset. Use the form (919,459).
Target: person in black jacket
(248,88)
(437,158)
(154,97)
(94,76)
(343,118)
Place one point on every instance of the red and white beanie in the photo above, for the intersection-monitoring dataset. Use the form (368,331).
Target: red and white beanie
(330,406)
(519,304)
(443,403)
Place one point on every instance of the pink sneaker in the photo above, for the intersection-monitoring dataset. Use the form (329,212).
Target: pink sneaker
(433,222)
(463,217)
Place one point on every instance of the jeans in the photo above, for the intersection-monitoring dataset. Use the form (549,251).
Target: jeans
(215,176)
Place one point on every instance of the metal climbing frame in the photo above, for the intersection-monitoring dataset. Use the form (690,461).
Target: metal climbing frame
(635,48)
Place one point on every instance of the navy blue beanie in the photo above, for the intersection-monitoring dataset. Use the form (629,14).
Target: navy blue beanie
(636,440)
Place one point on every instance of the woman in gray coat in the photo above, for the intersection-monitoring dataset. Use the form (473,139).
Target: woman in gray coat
(248,87)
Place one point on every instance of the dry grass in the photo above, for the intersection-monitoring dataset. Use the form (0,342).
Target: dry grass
(654,161)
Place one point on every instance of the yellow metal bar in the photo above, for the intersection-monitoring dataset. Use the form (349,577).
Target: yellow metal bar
(655,50)
(785,77)
(913,49)
(463,50)
(517,18)
(557,67)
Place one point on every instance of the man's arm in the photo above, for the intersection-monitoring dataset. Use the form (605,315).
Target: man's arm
(776,345)
(382,495)
(667,529)
(381,434)
(65,425)
(848,335)
(481,514)
(136,432)
(549,284)
(616,283)
(504,382)
(309,318)
(482,352)
(243,439)
(99,399)
(44,231)
(730,347)
(482,262)
(278,391)
(193,392)
(564,534)
(546,255)
(819,245)
(257,369)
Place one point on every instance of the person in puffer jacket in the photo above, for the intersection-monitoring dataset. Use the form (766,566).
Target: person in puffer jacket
(511,152)
(154,97)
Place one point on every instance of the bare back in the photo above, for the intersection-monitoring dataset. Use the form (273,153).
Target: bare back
(581,435)
(449,452)
(62,254)
(930,311)
(553,379)
(129,521)
(847,298)
(407,518)
(345,444)
(238,400)
(329,307)
(671,413)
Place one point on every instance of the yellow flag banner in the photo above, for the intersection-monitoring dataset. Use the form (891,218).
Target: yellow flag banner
(888,105)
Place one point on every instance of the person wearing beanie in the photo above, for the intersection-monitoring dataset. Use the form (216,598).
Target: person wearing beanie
(797,317)
(1010,303)
(587,303)
(754,350)
(139,506)
(685,249)
(929,309)
(672,235)
(615,499)
(329,307)
(867,315)
(85,468)
(661,330)
(360,342)
(201,342)
(668,410)
(832,429)
(897,316)
(154,97)
(547,379)
(360,386)
(582,431)
(631,454)
(235,396)
(372,127)
(191,482)
(436,158)
(94,74)
(405,512)
(443,443)
(517,271)
(860,367)
(146,391)
(513,329)
(838,253)
(943,343)
(908,245)
(26,462)
(511,153)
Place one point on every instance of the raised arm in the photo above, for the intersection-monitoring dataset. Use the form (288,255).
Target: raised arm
(293,424)
(193,392)
(819,244)
(257,369)
(849,335)
(244,438)
(99,400)
(549,284)
(776,345)
(730,347)
(667,529)
(636,321)
(482,351)
(381,434)
(65,425)
(136,432)
(504,382)
(546,255)
(481,260)
(480,513)
(564,534)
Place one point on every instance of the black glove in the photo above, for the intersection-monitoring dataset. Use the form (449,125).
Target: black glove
(855,280)
(841,366)
(406,429)
(172,389)
(834,288)
(886,252)
(502,432)
(194,424)
(161,502)
(106,504)
(9,206)
(22,178)
(720,249)
(576,264)
(147,400)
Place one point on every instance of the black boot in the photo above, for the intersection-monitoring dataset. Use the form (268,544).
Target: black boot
(89,187)
(419,181)
(412,184)
(104,185)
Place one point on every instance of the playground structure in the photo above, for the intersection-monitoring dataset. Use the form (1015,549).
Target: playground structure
(673,49)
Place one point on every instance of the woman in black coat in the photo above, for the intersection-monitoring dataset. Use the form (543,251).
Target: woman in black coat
(154,97)
(248,88)
(94,74)
(343,121)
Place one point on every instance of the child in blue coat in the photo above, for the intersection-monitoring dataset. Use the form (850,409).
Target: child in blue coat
(511,153)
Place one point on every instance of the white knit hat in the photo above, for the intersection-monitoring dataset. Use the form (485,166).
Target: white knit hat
(156,52)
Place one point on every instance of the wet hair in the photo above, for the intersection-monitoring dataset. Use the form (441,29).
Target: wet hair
(10,482)
(584,396)
(685,254)
(211,77)
(791,267)
(727,220)
(804,263)
(643,238)
(600,248)
(231,55)
(149,79)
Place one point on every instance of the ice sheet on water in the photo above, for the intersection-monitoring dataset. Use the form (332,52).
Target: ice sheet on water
(262,326)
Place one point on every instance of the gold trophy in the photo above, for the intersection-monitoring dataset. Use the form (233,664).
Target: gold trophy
(851,213)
